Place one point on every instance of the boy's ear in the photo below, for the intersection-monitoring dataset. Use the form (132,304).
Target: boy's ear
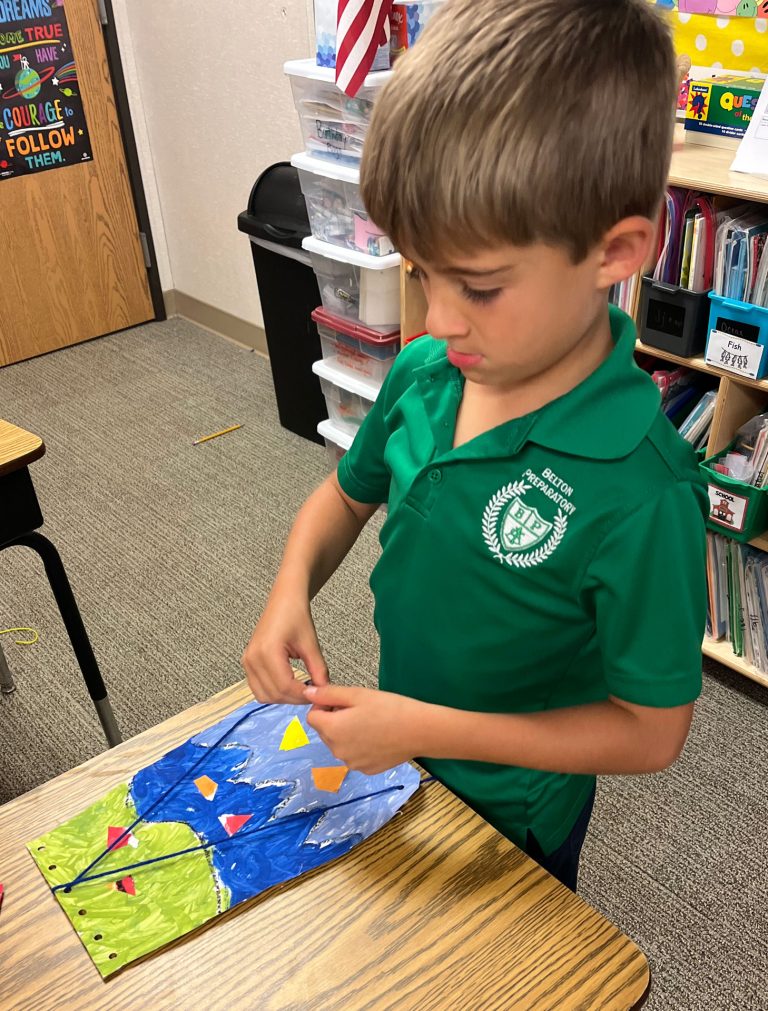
(625,249)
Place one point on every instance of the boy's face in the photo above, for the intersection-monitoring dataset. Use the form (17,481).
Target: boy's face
(511,313)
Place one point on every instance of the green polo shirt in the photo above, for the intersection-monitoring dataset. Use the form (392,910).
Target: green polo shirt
(553,561)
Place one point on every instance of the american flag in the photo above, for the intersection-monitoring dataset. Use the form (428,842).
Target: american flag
(362,26)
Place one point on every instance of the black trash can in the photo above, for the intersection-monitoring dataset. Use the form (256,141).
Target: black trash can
(276,221)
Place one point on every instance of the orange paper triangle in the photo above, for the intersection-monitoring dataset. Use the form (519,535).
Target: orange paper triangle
(330,777)
(207,787)
(294,737)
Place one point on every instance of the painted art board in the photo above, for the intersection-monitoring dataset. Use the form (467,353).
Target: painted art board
(251,802)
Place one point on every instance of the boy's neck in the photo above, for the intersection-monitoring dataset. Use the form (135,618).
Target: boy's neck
(484,407)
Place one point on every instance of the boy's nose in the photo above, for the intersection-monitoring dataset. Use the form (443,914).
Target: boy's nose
(444,319)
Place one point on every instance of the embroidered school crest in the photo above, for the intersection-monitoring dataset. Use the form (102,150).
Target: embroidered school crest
(515,531)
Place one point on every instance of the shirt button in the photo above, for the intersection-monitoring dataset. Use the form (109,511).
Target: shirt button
(435,476)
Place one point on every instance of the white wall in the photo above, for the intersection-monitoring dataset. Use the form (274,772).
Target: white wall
(211,108)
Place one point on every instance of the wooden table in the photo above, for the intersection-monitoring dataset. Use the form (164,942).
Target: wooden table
(436,911)
(20,520)
(18,447)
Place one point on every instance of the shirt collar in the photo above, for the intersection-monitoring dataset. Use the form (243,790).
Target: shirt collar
(605,417)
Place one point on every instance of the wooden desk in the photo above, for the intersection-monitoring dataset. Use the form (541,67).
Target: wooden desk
(18,447)
(436,911)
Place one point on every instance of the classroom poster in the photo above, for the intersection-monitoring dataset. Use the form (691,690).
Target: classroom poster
(721,35)
(727,8)
(42,121)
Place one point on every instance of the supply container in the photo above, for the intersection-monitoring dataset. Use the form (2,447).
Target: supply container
(332,124)
(745,330)
(348,398)
(357,349)
(361,288)
(736,509)
(335,207)
(407,22)
(672,318)
(337,441)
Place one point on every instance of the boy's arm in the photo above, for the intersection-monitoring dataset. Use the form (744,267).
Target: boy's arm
(372,731)
(646,586)
(326,527)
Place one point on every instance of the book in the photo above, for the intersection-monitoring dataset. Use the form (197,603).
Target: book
(699,421)
(720,109)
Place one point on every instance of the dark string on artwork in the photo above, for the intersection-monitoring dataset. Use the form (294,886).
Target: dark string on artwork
(278,823)
(84,875)
(187,772)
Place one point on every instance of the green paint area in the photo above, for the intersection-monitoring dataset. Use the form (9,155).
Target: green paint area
(167,903)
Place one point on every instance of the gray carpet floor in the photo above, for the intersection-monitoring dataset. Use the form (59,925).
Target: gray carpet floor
(171,549)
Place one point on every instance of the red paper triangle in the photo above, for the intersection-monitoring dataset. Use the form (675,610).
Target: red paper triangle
(127,885)
(113,833)
(232,822)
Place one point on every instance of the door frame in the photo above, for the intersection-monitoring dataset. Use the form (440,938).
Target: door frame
(109,29)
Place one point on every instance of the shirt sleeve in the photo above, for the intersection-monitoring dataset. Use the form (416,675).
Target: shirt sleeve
(647,583)
(363,472)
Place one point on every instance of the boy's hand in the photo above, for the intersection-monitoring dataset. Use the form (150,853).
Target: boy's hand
(285,632)
(368,730)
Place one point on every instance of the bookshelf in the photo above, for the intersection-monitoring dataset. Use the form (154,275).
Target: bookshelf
(707,169)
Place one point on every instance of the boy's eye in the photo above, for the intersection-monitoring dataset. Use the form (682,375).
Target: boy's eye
(478,294)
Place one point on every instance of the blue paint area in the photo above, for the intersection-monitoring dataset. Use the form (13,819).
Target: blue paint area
(260,731)
(249,861)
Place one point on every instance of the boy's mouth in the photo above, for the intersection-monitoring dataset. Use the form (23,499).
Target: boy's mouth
(462,360)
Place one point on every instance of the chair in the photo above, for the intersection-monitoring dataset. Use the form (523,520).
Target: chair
(20,518)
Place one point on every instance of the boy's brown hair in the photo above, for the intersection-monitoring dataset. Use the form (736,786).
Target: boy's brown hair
(517,121)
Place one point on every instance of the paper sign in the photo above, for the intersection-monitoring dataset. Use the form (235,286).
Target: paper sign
(726,509)
(752,155)
(734,354)
(42,119)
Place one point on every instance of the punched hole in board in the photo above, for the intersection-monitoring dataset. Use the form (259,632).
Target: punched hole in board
(97,937)
(51,867)
(67,890)
(40,849)
(113,954)
(81,912)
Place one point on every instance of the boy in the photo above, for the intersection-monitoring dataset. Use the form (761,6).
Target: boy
(541,594)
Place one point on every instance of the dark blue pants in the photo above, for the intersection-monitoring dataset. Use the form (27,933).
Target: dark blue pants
(563,863)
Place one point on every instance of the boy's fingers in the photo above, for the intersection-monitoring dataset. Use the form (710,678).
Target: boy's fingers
(316,665)
(331,696)
(274,682)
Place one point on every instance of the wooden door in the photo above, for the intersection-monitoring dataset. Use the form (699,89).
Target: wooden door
(72,261)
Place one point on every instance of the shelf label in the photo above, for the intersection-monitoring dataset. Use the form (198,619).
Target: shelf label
(728,510)
(734,354)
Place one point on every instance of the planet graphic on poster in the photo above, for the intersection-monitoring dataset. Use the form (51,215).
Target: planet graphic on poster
(28,81)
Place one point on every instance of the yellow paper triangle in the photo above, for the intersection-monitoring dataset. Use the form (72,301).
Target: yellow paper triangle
(330,777)
(294,736)
(207,787)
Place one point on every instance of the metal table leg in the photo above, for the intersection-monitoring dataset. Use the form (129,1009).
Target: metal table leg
(73,623)
(7,685)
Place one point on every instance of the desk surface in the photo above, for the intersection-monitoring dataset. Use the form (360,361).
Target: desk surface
(436,910)
(17,447)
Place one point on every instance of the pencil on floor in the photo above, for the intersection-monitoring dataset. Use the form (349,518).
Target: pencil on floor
(215,435)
